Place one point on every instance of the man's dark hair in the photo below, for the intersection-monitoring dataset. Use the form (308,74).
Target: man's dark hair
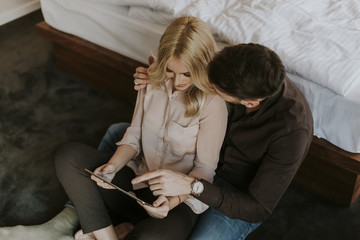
(247,71)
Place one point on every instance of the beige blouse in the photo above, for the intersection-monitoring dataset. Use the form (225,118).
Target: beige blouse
(165,139)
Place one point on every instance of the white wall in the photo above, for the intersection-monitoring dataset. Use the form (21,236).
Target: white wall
(13,9)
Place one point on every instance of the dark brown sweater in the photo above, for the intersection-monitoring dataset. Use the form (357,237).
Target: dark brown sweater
(261,153)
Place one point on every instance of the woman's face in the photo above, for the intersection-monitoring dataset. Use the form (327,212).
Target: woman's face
(179,74)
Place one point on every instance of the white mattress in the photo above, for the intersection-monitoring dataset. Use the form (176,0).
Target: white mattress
(336,118)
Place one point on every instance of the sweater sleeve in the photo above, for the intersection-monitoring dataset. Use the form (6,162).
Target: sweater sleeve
(271,180)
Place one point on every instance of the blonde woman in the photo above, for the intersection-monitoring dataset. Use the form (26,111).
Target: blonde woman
(178,124)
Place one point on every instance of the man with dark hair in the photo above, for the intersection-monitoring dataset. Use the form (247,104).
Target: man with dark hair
(260,69)
(269,132)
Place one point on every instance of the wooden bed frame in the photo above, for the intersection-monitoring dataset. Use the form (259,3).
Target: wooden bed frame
(96,65)
(327,169)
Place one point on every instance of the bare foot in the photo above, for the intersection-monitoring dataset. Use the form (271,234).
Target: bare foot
(79,235)
(123,229)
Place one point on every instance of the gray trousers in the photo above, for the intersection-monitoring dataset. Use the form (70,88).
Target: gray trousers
(98,208)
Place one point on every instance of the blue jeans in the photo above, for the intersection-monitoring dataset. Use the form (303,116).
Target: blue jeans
(212,225)
(114,134)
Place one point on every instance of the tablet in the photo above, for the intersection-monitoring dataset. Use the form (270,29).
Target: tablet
(118,188)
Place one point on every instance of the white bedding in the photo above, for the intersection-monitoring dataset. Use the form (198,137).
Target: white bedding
(317,42)
(310,40)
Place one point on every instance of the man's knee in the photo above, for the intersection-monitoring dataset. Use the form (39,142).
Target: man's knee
(117,129)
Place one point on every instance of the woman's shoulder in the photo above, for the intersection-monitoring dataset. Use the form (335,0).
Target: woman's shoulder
(215,101)
(214,108)
(213,98)
(149,90)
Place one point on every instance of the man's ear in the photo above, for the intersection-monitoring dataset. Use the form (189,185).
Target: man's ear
(253,103)
(151,60)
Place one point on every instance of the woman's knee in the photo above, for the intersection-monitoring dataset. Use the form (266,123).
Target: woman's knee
(65,157)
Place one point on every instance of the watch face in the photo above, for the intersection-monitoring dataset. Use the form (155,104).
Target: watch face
(198,187)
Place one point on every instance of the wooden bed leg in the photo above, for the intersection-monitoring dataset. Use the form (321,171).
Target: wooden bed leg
(331,172)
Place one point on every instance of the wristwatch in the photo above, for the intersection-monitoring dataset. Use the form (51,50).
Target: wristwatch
(197,187)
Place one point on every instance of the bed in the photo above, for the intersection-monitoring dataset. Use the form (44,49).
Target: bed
(103,41)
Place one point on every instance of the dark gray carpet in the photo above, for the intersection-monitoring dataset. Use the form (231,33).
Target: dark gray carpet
(42,107)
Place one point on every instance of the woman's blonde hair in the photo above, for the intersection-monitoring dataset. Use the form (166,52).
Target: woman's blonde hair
(190,40)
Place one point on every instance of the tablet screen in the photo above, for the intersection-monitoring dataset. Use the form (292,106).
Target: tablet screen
(118,188)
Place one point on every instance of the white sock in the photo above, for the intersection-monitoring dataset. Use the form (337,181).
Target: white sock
(61,227)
